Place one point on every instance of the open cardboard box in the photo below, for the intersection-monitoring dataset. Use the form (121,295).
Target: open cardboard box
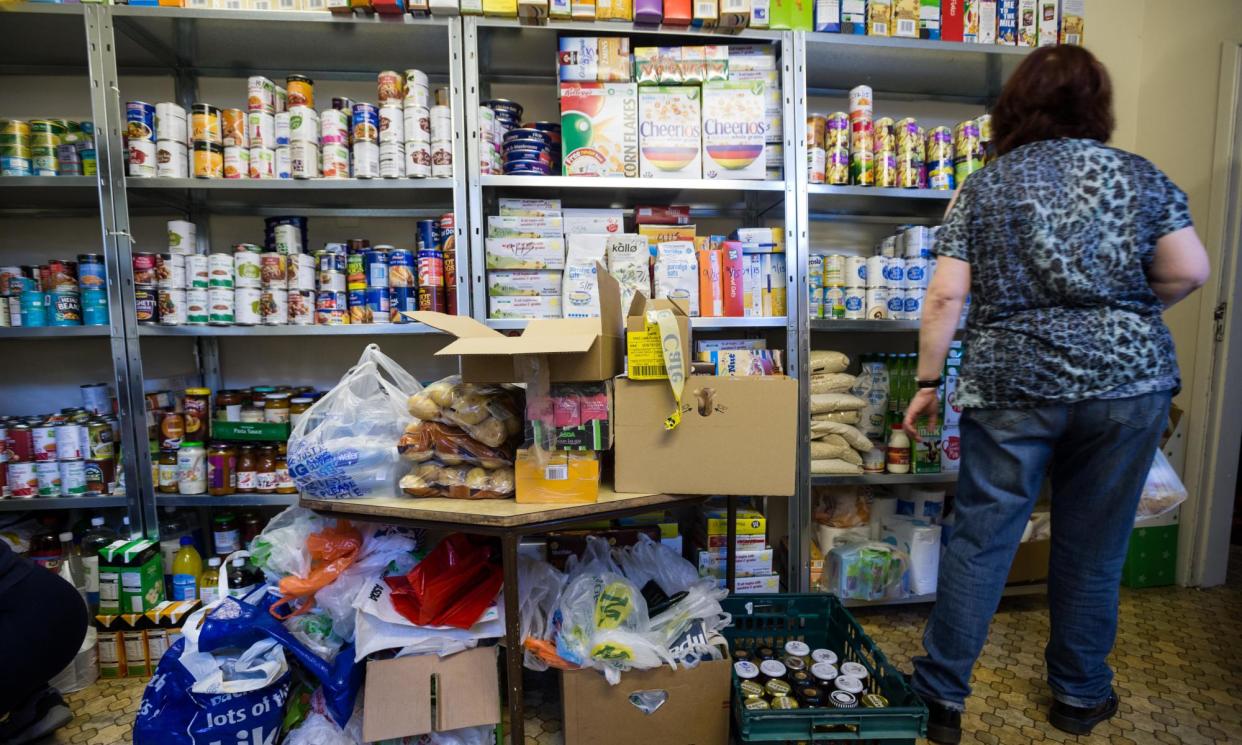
(1030,563)
(399,694)
(577,349)
(646,350)
(695,712)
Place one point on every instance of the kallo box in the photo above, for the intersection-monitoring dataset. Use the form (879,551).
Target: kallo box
(670,128)
(599,129)
(734,125)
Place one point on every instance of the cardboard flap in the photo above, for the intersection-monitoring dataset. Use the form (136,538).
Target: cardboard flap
(463,327)
(399,700)
(610,318)
(637,304)
(538,343)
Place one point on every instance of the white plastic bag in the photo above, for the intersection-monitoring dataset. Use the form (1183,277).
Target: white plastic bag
(381,554)
(345,445)
(1163,492)
(539,589)
(317,729)
(649,560)
(280,550)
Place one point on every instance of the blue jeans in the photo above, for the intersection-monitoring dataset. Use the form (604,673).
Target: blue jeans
(1097,453)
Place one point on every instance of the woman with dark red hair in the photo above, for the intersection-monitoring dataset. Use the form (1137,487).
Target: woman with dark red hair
(1070,251)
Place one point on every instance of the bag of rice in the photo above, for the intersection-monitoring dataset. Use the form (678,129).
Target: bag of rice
(824,361)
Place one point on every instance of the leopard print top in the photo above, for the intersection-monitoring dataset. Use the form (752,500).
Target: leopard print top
(1058,235)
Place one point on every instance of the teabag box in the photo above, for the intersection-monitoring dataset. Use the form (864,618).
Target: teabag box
(670,132)
(734,126)
(599,129)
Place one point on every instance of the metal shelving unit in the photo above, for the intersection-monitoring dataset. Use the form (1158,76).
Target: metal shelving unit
(884,479)
(369,329)
(53,333)
(230,500)
(62,503)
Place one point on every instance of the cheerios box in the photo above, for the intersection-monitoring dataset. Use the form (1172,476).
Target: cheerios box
(670,129)
(734,124)
(599,129)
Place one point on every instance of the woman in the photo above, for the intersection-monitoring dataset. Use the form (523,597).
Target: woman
(1069,250)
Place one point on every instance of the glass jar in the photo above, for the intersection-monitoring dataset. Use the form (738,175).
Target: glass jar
(284,482)
(192,468)
(259,392)
(172,429)
(297,407)
(251,414)
(265,470)
(220,479)
(246,472)
(167,470)
(251,525)
(225,533)
(228,406)
(197,407)
(276,409)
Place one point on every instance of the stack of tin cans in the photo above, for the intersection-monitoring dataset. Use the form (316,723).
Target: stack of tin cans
(58,293)
(828,148)
(862,136)
(68,454)
(889,285)
(47,147)
(510,147)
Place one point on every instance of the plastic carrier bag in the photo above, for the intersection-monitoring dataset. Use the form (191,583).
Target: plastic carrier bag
(344,446)
(1164,490)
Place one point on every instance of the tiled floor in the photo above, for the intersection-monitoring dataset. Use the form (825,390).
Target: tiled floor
(1178,663)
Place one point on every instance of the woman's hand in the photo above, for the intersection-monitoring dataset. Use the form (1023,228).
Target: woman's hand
(925,402)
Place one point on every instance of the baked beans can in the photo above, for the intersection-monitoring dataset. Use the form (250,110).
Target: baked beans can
(283,127)
(334,160)
(170,270)
(375,265)
(441,158)
(236,161)
(171,159)
(377,301)
(365,122)
(355,272)
(301,272)
(418,159)
(401,300)
(274,270)
(44,438)
(47,475)
(220,306)
(64,308)
(390,87)
(299,91)
(417,89)
(142,159)
(73,478)
(146,304)
(32,309)
(100,473)
(262,162)
(23,481)
(260,94)
(261,129)
(69,439)
(431,280)
(303,160)
(401,269)
(197,271)
(172,304)
(274,304)
(301,307)
(139,121)
(205,124)
(196,312)
(392,160)
(283,162)
(366,160)
(248,306)
(219,270)
(208,160)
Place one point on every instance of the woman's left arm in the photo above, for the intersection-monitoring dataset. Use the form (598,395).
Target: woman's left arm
(942,309)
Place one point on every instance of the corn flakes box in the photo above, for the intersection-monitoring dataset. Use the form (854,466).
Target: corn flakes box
(670,127)
(599,129)
(734,128)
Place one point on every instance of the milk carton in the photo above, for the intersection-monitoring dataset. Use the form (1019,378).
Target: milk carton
(670,138)
(599,129)
(734,126)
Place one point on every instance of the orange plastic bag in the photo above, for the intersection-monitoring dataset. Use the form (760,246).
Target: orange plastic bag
(332,551)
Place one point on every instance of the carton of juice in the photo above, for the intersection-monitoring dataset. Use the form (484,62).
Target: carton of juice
(669,132)
(734,126)
(599,129)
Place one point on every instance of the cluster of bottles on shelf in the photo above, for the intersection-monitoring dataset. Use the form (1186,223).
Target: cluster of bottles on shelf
(278,284)
(71,453)
(281,135)
(47,147)
(59,293)
(237,446)
(73,550)
(855,148)
(191,573)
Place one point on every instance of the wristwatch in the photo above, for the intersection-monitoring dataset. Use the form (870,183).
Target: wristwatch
(929,383)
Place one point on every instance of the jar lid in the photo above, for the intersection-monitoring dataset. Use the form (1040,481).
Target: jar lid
(276,396)
(823,671)
(843,700)
(772,668)
(854,670)
(198,391)
(302,399)
(745,669)
(185,445)
(849,684)
(824,655)
(797,648)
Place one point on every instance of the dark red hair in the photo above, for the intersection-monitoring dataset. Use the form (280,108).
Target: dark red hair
(1058,91)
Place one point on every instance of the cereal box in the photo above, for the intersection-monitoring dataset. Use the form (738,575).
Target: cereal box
(532,10)
(929,19)
(906,18)
(987,22)
(591,220)
(517,282)
(582,10)
(501,8)
(614,59)
(880,18)
(524,306)
(706,12)
(952,20)
(677,274)
(577,59)
(614,10)
(656,234)
(854,17)
(1073,21)
(525,253)
(752,285)
(669,132)
(970,21)
(559,9)
(795,15)
(711,286)
(677,13)
(1007,22)
(828,16)
(734,126)
(648,12)
(760,13)
(734,13)
(1049,22)
(1028,23)
(599,129)
(524,227)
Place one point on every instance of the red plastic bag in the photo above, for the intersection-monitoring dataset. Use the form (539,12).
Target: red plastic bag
(453,586)
(332,550)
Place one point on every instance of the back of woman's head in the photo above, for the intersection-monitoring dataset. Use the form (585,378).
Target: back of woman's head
(1059,91)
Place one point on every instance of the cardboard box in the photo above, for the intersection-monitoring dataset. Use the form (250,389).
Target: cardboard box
(565,543)
(1007,22)
(828,16)
(543,208)
(1030,564)
(1151,560)
(721,542)
(854,17)
(929,19)
(695,712)
(523,282)
(1073,21)
(566,477)
(670,132)
(880,18)
(576,349)
(734,128)
(131,576)
(599,126)
(715,521)
(906,18)
(760,13)
(525,253)
(725,421)
(531,307)
(746,563)
(952,20)
(677,13)
(594,221)
(754,585)
(399,694)
(644,342)
(1049,22)
(794,15)
(1028,23)
(507,226)
(648,12)
(987,22)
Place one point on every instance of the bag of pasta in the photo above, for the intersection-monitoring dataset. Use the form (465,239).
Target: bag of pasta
(491,414)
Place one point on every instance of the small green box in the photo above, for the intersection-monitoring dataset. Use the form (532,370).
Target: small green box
(795,15)
(131,577)
(250,431)
(1152,558)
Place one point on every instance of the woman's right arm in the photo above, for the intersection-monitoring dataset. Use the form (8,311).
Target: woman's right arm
(1179,267)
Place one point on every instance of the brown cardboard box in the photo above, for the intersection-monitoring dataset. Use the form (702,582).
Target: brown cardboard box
(399,700)
(696,711)
(646,353)
(1030,564)
(737,436)
(577,349)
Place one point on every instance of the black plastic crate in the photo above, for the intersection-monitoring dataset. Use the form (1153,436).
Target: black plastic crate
(822,622)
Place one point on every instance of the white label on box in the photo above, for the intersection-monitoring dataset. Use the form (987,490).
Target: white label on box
(505,226)
(525,306)
(530,208)
(746,563)
(525,253)
(588,220)
(518,282)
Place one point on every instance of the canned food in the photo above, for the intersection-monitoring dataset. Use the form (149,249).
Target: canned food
(877,303)
(57,274)
(416,123)
(366,159)
(375,266)
(401,268)
(205,125)
(248,306)
(391,124)
(172,306)
(146,304)
(331,300)
(262,162)
(197,270)
(47,475)
(431,294)
(96,398)
(378,305)
(261,129)
(220,306)
(303,160)
(260,95)
(100,473)
(365,121)
(142,159)
(171,159)
(286,237)
(139,121)
(236,161)
(274,270)
(301,271)
(390,87)
(418,159)
(274,307)
(301,307)
(233,124)
(64,308)
(208,160)
(196,312)
(282,162)
(170,270)
(21,442)
(145,268)
(72,478)
(22,479)
(401,300)
(862,102)
(334,160)
(299,91)
(99,439)
(69,438)
(854,303)
(303,125)
(442,158)
(283,127)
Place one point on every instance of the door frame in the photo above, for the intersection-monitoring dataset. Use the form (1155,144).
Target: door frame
(1216,429)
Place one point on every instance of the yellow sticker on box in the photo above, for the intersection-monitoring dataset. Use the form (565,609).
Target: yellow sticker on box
(645,354)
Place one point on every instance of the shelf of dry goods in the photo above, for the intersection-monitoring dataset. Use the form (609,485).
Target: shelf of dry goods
(20,194)
(361,197)
(702,324)
(60,503)
(583,191)
(51,333)
(347,330)
(881,479)
(628,29)
(230,500)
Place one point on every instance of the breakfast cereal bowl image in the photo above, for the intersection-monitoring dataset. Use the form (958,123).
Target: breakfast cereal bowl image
(734,157)
(670,158)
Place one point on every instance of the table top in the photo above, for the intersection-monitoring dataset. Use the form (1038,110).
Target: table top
(490,516)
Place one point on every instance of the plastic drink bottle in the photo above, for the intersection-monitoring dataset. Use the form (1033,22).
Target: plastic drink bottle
(187,568)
